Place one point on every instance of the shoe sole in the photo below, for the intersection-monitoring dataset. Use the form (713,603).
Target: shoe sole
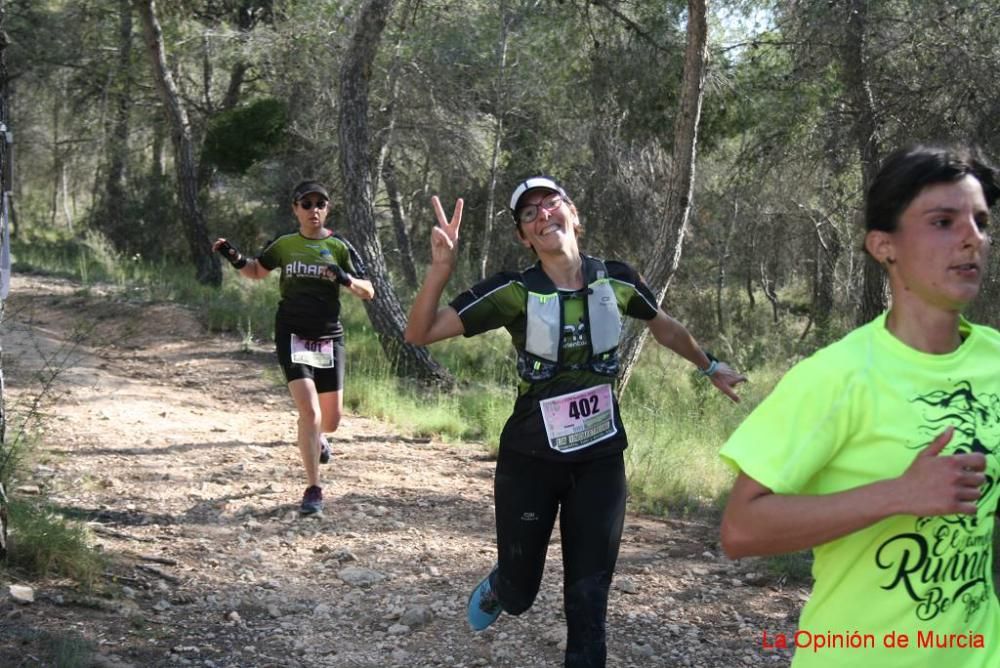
(472,609)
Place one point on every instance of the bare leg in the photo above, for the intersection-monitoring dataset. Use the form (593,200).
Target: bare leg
(303,392)
(332,406)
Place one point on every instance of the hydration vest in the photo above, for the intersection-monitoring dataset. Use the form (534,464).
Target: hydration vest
(541,358)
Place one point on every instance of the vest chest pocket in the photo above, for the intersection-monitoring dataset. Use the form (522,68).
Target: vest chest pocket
(541,358)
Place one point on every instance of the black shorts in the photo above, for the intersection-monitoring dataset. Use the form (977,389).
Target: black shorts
(326,380)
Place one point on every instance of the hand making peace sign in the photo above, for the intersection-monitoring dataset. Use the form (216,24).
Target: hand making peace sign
(444,236)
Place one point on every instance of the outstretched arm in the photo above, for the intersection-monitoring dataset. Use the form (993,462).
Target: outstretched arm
(427,323)
(673,335)
(247,266)
(758,522)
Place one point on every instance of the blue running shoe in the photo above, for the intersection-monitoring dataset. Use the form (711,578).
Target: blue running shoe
(324,449)
(312,501)
(484,604)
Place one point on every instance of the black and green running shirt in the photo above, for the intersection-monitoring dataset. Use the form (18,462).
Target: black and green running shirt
(501,301)
(310,300)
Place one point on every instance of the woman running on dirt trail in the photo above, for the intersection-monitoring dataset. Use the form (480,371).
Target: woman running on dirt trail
(561,449)
(882,451)
(315,265)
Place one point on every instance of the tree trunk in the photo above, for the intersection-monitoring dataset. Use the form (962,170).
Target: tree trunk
(208,271)
(660,264)
(64,191)
(866,131)
(384,142)
(499,111)
(385,311)
(111,215)
(767,287)
(399,224)
(723,260)
(828,251)
(156,165)
(6,186)
(56,166)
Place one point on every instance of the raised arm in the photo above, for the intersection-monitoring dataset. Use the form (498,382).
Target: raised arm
(673,335)
(427,322)
(758,522)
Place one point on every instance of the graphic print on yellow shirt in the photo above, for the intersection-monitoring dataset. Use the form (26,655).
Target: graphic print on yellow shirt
(945,561)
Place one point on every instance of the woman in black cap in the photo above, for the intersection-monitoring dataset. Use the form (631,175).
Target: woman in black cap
(315,265)
(561,449)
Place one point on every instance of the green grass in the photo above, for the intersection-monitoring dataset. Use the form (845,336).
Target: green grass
(71,652)
(795,567)
(43,543)
(677,422)
(27,645)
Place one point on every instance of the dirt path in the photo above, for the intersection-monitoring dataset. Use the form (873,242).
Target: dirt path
(175,447)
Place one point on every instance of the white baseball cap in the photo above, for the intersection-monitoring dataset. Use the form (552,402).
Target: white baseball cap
(531,184)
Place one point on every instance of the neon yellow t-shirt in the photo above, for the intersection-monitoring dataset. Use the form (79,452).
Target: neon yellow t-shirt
(857,412)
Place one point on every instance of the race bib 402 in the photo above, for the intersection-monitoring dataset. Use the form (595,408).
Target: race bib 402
(579,419)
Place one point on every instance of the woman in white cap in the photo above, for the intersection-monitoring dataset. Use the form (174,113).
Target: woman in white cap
(561,449)
(316,265)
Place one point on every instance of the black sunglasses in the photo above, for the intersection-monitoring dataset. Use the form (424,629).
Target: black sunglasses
(321,204)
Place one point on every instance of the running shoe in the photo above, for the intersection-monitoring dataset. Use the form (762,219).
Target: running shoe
(484,604)
(312,500)
(324,450)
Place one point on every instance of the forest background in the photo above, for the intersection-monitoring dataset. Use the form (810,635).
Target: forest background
(721,149)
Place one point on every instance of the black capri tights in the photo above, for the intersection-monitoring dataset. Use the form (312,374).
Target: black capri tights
(589,498)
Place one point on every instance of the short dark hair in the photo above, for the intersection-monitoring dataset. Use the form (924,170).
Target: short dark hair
(910,169)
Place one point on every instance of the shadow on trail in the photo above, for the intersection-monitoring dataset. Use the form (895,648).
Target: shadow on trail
(177,448)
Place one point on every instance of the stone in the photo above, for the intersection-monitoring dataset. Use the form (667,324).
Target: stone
(360,577)
(628,586)
(21,594)
(416,616)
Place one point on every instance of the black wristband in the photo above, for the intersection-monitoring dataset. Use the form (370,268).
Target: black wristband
(340,275)
(235,258)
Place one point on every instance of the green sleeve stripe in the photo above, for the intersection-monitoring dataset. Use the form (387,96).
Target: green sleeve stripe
(637,291)
(482,297)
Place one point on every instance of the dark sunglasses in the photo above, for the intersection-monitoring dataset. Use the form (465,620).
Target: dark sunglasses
(307,205)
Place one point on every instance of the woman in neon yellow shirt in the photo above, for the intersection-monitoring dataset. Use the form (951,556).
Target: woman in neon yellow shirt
(881,452)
